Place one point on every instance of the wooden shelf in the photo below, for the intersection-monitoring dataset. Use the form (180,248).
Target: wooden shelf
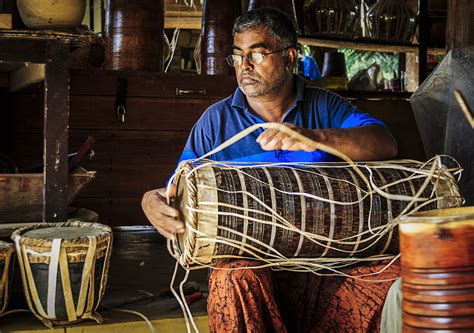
(71,37)
(366,45)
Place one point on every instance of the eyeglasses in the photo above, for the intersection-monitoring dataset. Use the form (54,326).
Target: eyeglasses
(255,58)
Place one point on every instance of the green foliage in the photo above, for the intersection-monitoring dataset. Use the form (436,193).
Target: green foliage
(357,60)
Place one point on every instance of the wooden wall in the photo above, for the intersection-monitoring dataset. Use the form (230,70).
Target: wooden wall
(140,154)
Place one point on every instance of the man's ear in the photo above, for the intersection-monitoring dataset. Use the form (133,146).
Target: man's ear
(292,57)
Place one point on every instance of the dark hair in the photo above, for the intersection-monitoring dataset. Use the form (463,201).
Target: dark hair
(277,23)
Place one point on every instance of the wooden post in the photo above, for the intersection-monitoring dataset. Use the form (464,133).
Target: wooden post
(460,28)
(55,132)
(423,42)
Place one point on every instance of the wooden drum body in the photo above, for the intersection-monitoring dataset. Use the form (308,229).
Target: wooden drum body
(64,268)
(438,270)
(6,270)
(277,212)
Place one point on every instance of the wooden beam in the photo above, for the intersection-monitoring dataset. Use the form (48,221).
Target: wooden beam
(55,133)
(178,15)
(365,46)
(26,76)
(460,26)
(172,22)
(5,21)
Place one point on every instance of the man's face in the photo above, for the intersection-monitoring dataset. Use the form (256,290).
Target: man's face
(267,77)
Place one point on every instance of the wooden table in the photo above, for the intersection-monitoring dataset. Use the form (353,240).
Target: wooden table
(51,48)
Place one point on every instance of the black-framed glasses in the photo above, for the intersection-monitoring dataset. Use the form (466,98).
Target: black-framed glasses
(255,58)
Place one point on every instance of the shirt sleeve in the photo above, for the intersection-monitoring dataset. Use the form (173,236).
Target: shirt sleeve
(344,114)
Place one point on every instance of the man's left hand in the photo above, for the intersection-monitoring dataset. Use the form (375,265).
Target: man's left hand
(273,139)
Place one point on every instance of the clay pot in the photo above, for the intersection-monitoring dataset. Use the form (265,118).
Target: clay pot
(49,14)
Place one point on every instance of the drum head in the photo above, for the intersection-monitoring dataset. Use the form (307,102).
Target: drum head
(63,233)
(5,245)
(182,201)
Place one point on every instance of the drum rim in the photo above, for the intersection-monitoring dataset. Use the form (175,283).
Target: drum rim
(6,245)
(425,217)
(106,233)
(187,246)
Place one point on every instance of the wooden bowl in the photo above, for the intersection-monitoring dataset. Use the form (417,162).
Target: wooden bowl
(49,14)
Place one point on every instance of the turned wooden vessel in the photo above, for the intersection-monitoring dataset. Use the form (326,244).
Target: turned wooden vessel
(438,270)
(133,33)
(49,14)
(216,35)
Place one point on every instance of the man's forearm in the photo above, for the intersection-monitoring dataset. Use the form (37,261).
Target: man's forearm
(364,143)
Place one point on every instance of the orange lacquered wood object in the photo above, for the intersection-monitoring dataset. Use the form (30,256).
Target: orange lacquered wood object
(438,270)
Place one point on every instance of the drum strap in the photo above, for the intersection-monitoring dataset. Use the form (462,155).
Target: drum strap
(4,282)
(53,277)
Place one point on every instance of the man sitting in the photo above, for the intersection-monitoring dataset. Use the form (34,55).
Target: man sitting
(260,300)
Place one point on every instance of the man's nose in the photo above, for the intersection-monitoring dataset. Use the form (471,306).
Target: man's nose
(246,63)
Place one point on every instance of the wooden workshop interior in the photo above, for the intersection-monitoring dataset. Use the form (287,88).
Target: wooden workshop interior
(98,98)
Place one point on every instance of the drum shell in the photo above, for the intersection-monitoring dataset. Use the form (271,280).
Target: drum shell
(227,188)
(216,35)
(40,274)
(82,253)
(438,269)
(133,32)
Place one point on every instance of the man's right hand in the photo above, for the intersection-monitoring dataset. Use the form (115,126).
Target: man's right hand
(162,216)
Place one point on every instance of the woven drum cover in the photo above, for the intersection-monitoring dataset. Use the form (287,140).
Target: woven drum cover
(307,214)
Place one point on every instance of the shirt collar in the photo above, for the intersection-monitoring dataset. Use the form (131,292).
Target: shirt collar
(239,100)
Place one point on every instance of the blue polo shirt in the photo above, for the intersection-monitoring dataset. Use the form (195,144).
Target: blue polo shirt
(314,108)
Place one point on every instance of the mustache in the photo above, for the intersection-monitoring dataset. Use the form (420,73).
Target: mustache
(248,74)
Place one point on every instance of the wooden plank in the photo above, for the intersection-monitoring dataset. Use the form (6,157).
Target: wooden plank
(183,22)
(149,84)
(366,46)
(55,133)
(47,35)
(26,76)
(115,211)
(121,159)
(5,21)
(178,15)
(98,112)
(22,50)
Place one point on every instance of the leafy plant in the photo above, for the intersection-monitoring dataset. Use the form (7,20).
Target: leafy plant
(357,60)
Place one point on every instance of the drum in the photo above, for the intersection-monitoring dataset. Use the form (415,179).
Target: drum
(280,213)
(64,268)
(6,270)
(437,265)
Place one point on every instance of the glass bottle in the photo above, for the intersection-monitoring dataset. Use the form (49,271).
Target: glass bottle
(391,20)
(332,18)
